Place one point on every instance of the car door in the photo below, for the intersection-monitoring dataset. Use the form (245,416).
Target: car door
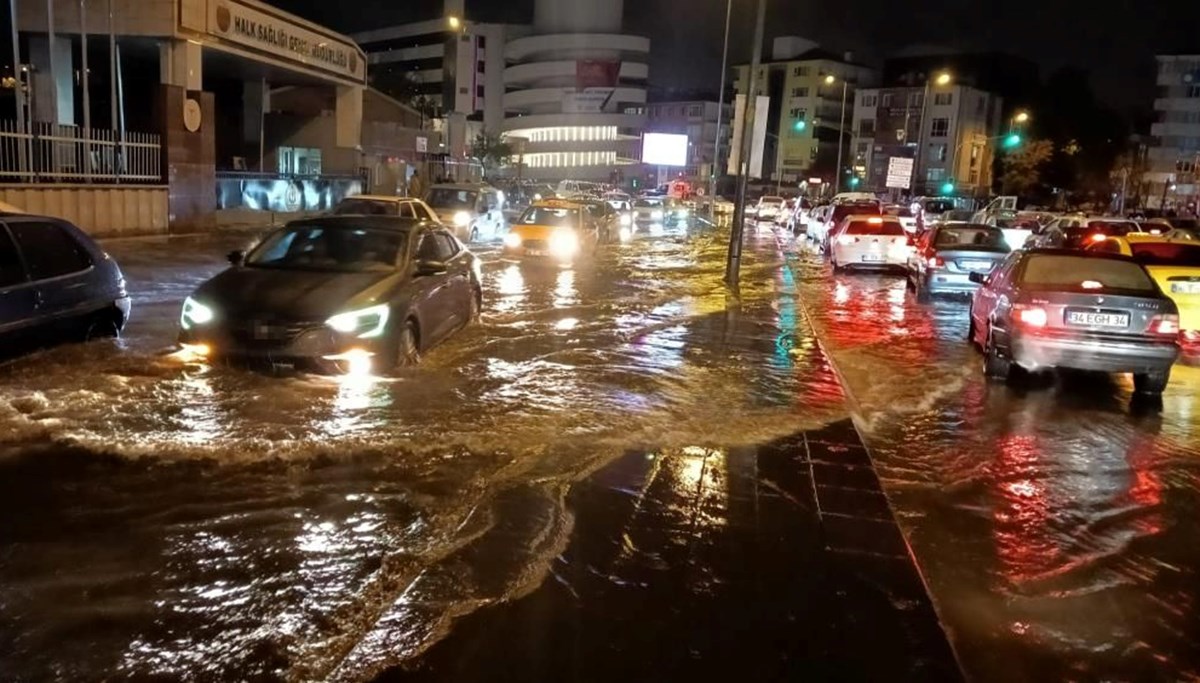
(436,293)
(495,213)
(988,295)
(18,296)
(459,271)
(59,268)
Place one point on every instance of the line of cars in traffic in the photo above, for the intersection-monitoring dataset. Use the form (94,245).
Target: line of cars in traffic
(1103,294)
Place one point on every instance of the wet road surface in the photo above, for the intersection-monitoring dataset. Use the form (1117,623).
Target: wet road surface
(1056,521)
(172,519)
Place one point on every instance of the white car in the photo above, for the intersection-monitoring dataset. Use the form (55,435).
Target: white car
(907,218)
(384,205)
(843,197)
(768,207)
(869,242)
(817,220)
(648,210)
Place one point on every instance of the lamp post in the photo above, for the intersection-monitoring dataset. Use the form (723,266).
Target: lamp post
(837,181)
(944,78)
(733,261)
(712,175)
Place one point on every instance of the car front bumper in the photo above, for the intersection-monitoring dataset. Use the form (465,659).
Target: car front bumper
(314,343)
(1101,355)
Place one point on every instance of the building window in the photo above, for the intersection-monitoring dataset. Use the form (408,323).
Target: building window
(976,151)
(939,151)
(943,98)
(799,92)
(863,148)
(1193,91)
(868,100)
(915,99)
(935,174)
(798,114)
(940,128)
(479,91)
(694,111)
(482,41)
(866,128)
(812,153)
(479,66)
(800,71)
(887,100)
(463,90)
(973,177)
(1184,166)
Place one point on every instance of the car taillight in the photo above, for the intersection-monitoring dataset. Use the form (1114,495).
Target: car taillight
(1032,316)
(936,262)
(847,239)
(1165,324)
(1098,237)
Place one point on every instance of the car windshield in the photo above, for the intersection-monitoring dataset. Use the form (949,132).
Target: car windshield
(938,206)
(1166,254)
(557,218)
(337,248)
(366,207)
(649,203)
(1055,271)
(967,236)
(771,200)
(842,210)
(450,198)
(874,228)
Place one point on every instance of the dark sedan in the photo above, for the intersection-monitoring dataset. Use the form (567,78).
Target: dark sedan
(946,256)
(339,293)
(1059,308)
(56,284)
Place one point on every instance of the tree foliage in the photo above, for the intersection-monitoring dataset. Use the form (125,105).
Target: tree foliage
(492,150)
(1023,167)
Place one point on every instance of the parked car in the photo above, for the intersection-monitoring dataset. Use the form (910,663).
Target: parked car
(471,211)
(559,231)
(351,294)
(382,205)
(767,207)
(947,254)
(869,242)
(607,219)
(648,210)
(1074,232)
(56,284)
(1062,308)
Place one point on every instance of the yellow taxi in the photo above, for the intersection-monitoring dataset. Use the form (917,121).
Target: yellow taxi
(1174,264)
(554,229)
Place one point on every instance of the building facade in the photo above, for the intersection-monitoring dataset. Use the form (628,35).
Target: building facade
(952,137)
(1174,152)
(807,87)
(698,120)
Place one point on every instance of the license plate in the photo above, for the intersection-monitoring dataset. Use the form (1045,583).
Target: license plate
(977,265)
(872,258)
(1094,319)
(536,252)
(1185,287)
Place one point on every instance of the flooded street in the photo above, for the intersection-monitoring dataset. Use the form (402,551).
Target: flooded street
(1055,522)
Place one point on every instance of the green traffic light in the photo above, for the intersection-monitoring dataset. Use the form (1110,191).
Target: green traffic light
(854,181)
(1012,140)
(800,124)
(948,188)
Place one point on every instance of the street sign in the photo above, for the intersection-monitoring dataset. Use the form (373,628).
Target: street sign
(422,143)
(899,173)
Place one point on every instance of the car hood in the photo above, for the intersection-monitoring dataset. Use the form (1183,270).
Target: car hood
(286,294)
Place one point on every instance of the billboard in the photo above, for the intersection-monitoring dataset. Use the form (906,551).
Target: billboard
(664,149)
(758,135)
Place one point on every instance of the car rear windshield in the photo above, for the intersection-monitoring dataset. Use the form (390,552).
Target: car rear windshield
(842,210)
(901,211)
(366,207)
(1054,271)
(450,198)
(556,218)
(873,228)
(1166,254)
(970,236)
(648,203)
(938,206)
(771,200)
(337,248)
(1110,228)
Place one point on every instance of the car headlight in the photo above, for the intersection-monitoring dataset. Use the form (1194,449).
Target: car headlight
(366,322)
(656,214)
(626,234)
(512,240)
(626,219)
(461,219)
(195,313)
(683,212)
(564,243)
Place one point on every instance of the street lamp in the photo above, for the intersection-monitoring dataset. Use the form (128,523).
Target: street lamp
(454,22)
(712,179)
(942,79)
(1021,117)
(837,181)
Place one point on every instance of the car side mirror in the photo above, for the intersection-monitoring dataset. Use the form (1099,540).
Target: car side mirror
(425,268)
(236,257)
(978,278)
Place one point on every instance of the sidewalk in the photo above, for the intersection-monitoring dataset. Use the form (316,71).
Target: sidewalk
(780,562)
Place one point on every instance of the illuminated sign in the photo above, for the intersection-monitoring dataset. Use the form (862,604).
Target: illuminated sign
(664,149)
(280,36)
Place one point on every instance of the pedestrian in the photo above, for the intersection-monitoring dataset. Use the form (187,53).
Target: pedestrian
(416,188)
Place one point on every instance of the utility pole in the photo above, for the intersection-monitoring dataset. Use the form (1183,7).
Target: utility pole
(837,181)
(712,176)
(734,261)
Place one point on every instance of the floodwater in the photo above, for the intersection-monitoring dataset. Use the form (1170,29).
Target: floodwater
(167,518)
(1056,522)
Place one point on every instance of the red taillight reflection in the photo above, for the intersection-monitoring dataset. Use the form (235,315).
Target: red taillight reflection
(1165,324)
(936,262)
(1098,237)
(1033,316)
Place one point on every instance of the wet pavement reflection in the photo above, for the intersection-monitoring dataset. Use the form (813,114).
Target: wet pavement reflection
(1055,520)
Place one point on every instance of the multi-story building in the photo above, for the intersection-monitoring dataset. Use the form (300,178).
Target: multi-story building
(807,87)
(952,137)
(574,87)
(698,119)
(1174,152)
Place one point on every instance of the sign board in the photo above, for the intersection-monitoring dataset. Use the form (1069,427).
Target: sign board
(279,35)
(758,135)
(422,143)
(815,181)
(664,149)
(589,101)
(899,172)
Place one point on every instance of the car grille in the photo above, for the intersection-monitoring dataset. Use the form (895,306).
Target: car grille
(262,334)
(541,245)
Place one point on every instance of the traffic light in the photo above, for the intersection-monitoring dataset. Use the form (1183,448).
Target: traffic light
(948,187)
(855,181)
(799,125)
(1012,140)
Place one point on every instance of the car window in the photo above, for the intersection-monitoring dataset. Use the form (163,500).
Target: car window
(451,245)
(12,271)
(1105,247)
(970,236)
(49,250)
(1053,271)
(433,248)
(874,228)
(541,215)
(450,198)
(1004,274)
(406,210)
(337,249)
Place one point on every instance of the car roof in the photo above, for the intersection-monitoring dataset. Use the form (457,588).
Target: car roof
(382,198)
(366,222)
(558,204)
(1146,237)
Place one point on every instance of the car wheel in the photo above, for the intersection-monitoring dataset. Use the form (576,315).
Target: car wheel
(836,267)
(408,346)
(994,365)
(1152,382)
(105,325)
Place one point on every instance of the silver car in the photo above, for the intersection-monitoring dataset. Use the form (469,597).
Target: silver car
(946,256)
(1060,308)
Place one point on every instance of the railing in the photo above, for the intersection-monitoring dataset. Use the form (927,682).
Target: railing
(53,153)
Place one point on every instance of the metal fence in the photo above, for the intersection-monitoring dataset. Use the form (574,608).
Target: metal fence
(53,153)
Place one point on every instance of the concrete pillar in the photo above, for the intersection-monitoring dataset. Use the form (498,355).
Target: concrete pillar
(179,63)
(349,115)
(256,101)
(53,98)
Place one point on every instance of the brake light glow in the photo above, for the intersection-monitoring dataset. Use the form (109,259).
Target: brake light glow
(936,262)
(1033,316)
(1091,284)
(875,220)
(1165,324)
(1098,237)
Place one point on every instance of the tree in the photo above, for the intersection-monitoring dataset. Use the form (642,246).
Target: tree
(491,150)
(1023,166)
